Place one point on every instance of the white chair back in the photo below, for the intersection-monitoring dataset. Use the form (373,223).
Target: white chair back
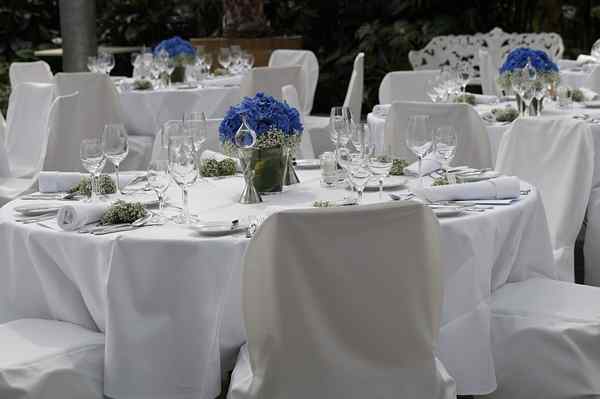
(488,70)
(354,94)
(36,72)
(27,129)
(305,150)
(593,81)
(307,60)
(473,147)
(4,165)
(405,86)
(330,315)
(556,156)
(270,80)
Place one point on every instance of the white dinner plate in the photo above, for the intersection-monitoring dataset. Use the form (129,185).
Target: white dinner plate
(219,228)
(38,209)
(308,164)
(592,104)
(447,212)
(389,182)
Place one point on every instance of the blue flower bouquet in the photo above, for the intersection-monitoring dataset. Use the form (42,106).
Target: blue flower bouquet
(179,50)
(278,131)
(547,70)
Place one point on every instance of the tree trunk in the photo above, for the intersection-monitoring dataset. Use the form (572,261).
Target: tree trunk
(244,18)
(78,31)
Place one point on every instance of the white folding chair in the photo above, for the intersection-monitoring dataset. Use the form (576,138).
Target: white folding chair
(330,315)
(44,359)
(270,80)
(307,60)
(556,156)
(32,72)
(488,70)
(473,147)
(97,104)
(305,150)
(354,94)
(405,86)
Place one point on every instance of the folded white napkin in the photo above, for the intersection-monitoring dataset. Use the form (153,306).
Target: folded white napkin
(75,216)
(58,182)
(485,99)
(586,59)
(428,165)
(589,95)
(382,109)
(504,187)
(208,154)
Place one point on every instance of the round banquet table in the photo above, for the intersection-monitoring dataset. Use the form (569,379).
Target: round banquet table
(144,110)
(169,300)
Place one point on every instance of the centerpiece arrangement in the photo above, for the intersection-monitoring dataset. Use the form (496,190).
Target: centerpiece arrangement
(530,74)
(278,131)
(181,53)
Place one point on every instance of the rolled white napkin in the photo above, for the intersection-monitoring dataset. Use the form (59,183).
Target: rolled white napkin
(208,154)
(58,182)
(428,165)
(504,187)
(382,109)
(586,59)
(589,95)
(75,216)
(485,99)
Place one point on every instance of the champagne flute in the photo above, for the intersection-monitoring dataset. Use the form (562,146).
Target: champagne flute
(115,144)
(418,139)
(182,168)
(92,157)
(225,58)
(446,140)
(159,181)
(195,125)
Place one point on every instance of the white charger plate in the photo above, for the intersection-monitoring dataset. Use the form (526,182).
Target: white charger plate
(219,228)
(308,163)
(38,209)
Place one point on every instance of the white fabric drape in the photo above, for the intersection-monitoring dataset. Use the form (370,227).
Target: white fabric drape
(32,72)
(473,147)
(405,86)
(310,72)
(545,340)
(557,156)
(290,95)
(4,164)
(354,94)
(270,80)
(304,338)
(45,359)
(488,70)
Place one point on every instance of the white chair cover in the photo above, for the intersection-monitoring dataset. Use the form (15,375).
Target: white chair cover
(556,156)
(473,147)
(488,69)
(97,104)
(44,359)
(344,319)
(4,165)
(270,80)
(405,86)
(36,72)
(593,81)
(305,150)
(545,336)
(354,94)
(567,64)
(27,129)
(310,72)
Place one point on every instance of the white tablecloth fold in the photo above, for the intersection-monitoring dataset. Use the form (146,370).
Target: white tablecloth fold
(428,165)
(72,217)
(504,187)
(58,182)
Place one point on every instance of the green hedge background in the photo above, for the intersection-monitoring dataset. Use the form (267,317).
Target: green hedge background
(334,29)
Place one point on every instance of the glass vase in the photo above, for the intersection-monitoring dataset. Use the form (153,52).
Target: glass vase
(269,165)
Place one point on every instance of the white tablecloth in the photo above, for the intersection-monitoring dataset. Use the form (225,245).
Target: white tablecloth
(144,109)
(168,300)
(575,78)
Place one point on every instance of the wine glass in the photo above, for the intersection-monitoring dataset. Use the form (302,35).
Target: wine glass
(339,126)
(380,163)
(446,140)
(359,174)
(92,157)
(116,146)
(92,64)
(418,139)
(463,73)
(136,62)
(225,58)
(194,124)
(109,62)
(357,136)
(182,168)
(159,181)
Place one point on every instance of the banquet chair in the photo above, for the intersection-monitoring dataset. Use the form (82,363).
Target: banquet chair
(97,104)
(593,81)
(405,86)
(473,147)
(270,80)
(556,156)
(488,70)
(347,319)
(354,94)
(307,60)
(47,359)
(31,72)
(311,125)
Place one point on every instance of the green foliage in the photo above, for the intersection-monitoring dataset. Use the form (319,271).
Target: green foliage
(123,212)
(398,166)
(212,167)
(106,185)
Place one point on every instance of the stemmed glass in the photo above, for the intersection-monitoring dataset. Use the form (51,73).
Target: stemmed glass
(182,168)
(359,174)
(225,58)
(115,144)
(446,140)
(92,157)
(194,124)
(523,83)
(136,62)
(92,64)
(380,163)
(463,74)
(418,139)
(159,181)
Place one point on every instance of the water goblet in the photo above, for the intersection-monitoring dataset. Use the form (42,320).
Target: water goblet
(380,163)
(224,58)
(115,144)
(418,139)
(359,175)
(445,140)
(159,180)
(183,170)
(93,160)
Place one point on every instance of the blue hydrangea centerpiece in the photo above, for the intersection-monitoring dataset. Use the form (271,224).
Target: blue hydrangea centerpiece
(180,50)
(547,70)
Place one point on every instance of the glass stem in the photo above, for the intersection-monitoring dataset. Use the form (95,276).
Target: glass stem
(380,188)
(186,205)
(420,171)
(116,165)
(359,195)
(161,202)
(93,185)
